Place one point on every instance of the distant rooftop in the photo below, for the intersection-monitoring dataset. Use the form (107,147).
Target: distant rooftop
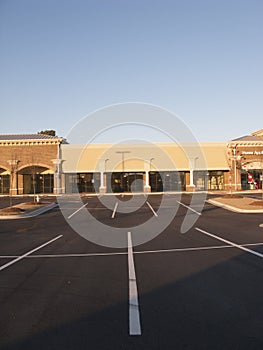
(249,138)
(254,137)
(258,133)
(27,137)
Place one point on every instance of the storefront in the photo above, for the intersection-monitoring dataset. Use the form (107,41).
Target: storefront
(165,181)
(30,164)
(211,180)
(118,182)
(245,159)
(82,182)
(143,168)
(38,183)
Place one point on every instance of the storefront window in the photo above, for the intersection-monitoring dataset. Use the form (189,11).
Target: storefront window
(216,180)
(167,181)
(38,183)
(87,182)
(4,184)
(124,182)
(200,180)
(209,180)
(71,183)
(251,179)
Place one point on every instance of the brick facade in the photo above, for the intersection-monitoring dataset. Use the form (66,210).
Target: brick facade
(245,159)
(29,161)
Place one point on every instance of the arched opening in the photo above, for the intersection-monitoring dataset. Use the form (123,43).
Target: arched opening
(35,179)
(4,181)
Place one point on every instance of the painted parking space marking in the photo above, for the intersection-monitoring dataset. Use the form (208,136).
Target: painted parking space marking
(193,249)
(187,206)
(134,313)
(154,212)
(157,251)
(231,243)
(28,253)
(114,210)
(75,212)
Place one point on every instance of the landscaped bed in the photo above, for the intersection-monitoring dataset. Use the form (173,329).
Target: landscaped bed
(22,208)
(240,202)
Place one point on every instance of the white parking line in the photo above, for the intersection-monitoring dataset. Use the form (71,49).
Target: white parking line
(134,313)
(75,212)
(87,255)
(154,212)
(231,243)
(114,210)
(187,206)
(28,253)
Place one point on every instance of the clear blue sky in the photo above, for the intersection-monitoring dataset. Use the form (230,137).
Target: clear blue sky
(62,59)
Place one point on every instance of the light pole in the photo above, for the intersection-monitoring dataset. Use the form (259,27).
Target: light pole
(105,163)
(105,182)
(151,164)
(233,156)
(192,169)
(122,154)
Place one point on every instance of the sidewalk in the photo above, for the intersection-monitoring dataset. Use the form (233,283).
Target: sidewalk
(25,210)
(238,203)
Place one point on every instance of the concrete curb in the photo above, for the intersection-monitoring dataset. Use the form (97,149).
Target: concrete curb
(32,214)
(234,209)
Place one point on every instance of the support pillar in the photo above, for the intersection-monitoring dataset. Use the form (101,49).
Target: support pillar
(13,183)
(191,186)
(147,187)
(57,176)
(102,188)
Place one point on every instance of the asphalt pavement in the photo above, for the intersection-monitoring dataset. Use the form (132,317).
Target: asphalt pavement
(201,289)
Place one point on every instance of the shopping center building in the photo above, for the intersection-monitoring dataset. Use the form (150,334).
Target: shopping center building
(47,164)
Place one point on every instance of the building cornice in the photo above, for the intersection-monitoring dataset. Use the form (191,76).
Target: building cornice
(30,142)
(245,143)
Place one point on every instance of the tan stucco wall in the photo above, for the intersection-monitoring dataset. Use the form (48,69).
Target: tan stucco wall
(161,156)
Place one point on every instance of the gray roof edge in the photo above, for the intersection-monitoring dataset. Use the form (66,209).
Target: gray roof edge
(20,137)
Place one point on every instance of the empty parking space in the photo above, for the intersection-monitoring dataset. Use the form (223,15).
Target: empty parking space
(178,290)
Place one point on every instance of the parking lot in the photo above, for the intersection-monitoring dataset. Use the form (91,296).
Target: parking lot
(201,289)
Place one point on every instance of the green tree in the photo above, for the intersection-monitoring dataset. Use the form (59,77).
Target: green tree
(48,132)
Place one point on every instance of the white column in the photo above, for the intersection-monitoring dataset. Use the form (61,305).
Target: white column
(147,187)
(192,166)
(102,166)
(147,180)
(101,179)
(191,177)
(57,176)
